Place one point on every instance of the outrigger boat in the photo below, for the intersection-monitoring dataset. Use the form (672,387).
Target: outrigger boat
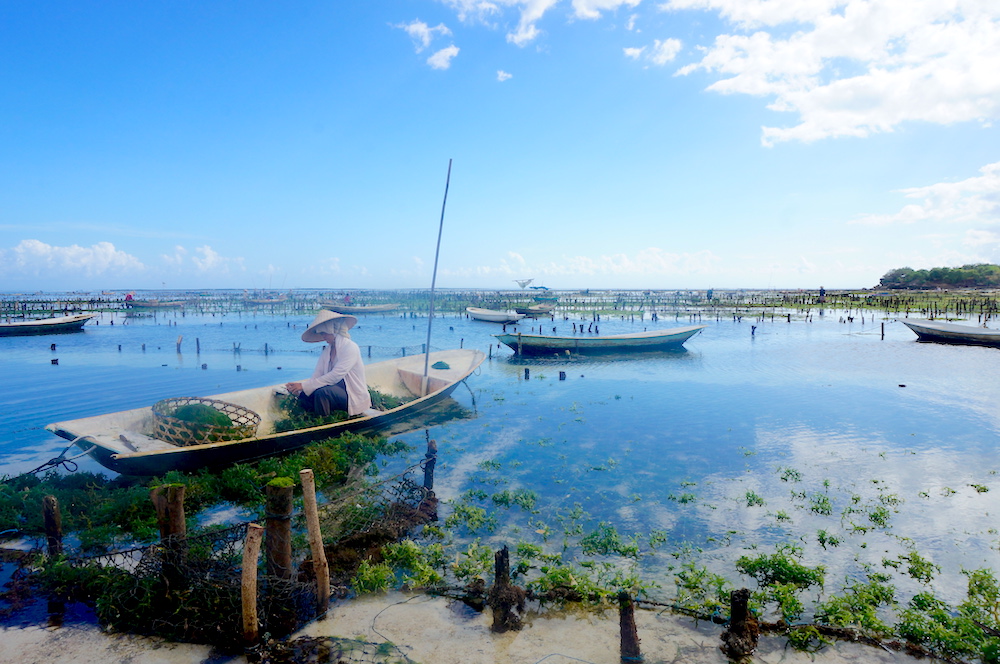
(952,333)
(125,441)
(57,325)
(540,344)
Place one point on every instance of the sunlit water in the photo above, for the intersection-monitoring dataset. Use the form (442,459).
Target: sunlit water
(742,439)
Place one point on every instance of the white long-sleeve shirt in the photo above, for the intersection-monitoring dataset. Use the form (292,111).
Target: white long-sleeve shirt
(342,361)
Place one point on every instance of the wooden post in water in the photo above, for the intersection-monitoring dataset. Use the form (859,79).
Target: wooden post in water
(53,525)
(504,596)
(315,539)
(741,638)
(430,459)
(248,583)
(180,338)
(629,634)
(278,530)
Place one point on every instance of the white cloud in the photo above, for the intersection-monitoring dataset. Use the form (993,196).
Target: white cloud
(651,261)
(33,258)
(442,59)
(474,11)
(664,51)
(592,9)
(973,201)
(854,67)
(503,76)
(531,12)
(422,34)
(634,53)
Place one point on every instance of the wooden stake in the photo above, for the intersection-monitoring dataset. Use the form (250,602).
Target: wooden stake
(248,585)
(53,524)
(315,539)
(278,531)
(629,634)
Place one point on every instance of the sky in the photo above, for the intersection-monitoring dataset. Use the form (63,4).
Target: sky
(646,144)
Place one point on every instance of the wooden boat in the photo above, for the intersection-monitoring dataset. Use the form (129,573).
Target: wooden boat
(57,325)
(122,441)
(359,308)
(154,304)
(493,315)
(540,309)
(952,333)
(539,344)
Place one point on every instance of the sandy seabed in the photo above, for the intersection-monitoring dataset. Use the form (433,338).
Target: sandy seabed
(434,630)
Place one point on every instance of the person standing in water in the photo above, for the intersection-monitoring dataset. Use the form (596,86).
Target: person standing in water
(338,381)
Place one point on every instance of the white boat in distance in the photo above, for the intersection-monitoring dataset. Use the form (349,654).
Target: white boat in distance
(493,315)
(952,333)
(55,325)
(540,344)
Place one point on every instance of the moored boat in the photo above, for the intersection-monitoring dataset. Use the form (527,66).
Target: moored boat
(154,304)
(126,441)
(953,333)
(57,325)
(540,309)
(493,315)
(540,344)
(359,308)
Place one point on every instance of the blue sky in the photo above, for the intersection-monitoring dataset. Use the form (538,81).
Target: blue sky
(595,143)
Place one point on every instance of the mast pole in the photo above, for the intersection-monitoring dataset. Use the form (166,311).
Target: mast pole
(437,252)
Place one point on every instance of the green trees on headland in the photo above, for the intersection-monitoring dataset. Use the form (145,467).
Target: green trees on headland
(979,275)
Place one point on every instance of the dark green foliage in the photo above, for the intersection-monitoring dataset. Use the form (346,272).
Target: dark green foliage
(978,275)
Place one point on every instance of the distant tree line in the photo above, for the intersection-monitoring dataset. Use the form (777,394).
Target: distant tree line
(979,275)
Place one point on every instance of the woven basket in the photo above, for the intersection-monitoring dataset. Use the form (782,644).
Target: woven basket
(180,432)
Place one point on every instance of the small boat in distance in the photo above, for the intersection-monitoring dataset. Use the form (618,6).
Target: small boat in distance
(493,315)
(539,309)
(154,304)
(359,308)
(57,325)
(126,442)
(540,344)
(952,333)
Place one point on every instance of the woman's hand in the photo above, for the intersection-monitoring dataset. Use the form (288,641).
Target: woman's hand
(294,388)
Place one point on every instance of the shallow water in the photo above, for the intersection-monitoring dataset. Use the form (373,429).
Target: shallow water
(728,444)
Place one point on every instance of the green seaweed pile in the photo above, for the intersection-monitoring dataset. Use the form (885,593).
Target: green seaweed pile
(199,413)
(296,417)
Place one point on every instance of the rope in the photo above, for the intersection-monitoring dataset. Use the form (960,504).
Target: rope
(67,463)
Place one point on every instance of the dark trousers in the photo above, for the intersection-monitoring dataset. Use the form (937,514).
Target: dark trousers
(326,399)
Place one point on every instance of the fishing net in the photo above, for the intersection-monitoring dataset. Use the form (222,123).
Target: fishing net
(235,422)
(190,588)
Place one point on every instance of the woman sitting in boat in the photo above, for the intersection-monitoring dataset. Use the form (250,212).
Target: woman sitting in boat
(338,382)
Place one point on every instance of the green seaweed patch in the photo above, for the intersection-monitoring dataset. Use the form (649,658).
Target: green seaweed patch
(199,413)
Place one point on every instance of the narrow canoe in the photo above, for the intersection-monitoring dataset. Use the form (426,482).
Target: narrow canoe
(952,333)
(154,304)
(122,442)
(539,344)
(359,308)
(493,315)
(56,325)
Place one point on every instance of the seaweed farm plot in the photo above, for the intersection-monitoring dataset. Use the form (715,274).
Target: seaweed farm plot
(842,472)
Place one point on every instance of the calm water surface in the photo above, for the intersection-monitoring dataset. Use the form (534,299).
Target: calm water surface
(746,438)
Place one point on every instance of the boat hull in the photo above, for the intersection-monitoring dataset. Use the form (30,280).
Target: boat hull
(493,315)
(116,440)
(538,344)
(951,333)
(359,308)
(59,325)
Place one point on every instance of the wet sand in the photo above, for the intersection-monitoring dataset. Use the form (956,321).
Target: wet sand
(434,630)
